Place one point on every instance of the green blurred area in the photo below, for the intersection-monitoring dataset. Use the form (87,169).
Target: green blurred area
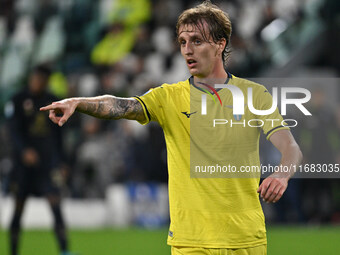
(281,240)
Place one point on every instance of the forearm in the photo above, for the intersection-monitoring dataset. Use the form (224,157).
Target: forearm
(290,160)
(273,187)
(110,107)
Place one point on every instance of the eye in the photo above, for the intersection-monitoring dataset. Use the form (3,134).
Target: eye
(182,42)
(197,41)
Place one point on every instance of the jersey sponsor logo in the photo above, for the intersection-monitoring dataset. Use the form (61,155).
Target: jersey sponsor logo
(171,234)
(188,114)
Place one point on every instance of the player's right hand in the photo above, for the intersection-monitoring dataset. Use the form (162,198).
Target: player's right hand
(61,111)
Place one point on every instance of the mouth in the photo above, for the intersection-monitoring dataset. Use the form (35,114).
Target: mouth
(191,63)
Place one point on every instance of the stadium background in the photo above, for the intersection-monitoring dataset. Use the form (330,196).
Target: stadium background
(117,169)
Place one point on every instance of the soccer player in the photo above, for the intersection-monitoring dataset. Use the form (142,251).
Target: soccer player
(208,215)
(37,154)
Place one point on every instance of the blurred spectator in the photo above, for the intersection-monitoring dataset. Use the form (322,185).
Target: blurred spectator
(116,44)
(37,154)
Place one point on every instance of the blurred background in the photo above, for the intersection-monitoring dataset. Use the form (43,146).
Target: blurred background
(114,172)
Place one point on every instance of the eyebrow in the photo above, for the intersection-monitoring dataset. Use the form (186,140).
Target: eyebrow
(193,37)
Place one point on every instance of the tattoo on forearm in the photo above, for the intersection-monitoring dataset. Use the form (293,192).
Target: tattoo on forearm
(109,107)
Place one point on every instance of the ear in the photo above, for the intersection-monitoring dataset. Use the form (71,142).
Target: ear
(221,45)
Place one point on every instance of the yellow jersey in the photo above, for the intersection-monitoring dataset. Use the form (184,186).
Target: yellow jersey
(222,211)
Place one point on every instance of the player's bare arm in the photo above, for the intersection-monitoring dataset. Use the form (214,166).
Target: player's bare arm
(104,107)
(273,187)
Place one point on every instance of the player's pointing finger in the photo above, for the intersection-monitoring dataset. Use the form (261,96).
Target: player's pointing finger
(48,107)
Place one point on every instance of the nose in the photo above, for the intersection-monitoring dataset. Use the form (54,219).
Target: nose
(187,49)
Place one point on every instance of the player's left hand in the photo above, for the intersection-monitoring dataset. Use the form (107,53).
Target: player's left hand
(272,188)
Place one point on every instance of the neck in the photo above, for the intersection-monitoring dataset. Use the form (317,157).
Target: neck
(216,75)
(211,80)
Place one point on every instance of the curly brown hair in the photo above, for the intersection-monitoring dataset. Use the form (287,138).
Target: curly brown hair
(218,22)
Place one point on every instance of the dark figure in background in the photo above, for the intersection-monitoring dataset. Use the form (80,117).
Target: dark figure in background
(37,155)
(319,132)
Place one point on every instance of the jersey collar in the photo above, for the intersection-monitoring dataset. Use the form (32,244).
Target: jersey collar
(191,82)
